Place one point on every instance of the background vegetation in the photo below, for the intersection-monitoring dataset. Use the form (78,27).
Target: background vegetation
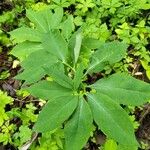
(106,20)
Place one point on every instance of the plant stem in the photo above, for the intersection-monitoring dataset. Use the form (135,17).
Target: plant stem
(69,66)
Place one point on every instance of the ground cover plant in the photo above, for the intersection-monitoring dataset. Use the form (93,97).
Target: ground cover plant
(69,96)
(80,62)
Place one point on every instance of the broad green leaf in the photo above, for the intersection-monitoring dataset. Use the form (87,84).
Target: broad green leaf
(48,90)
(33,66)
(108,53)
(45,20)
(67,27)
(124,89)
(56,44)
(85,52)
(71,45)
(38,19)
(126,147)
(26,34)
(110,145)
(31,75)
(56,71)
(78,128)
(92,43)
(77,47)
(112,119)
(48,17)
(72,40)
(78,76)
(53,19)
(24,49)
(57,17)
(55,113)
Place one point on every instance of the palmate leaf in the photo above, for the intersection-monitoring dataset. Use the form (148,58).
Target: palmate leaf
(124,89)
(112,119)
(48,90)
(44,22)
(45,47)
(33,66)
(78,128)
(108,53)
(55,113)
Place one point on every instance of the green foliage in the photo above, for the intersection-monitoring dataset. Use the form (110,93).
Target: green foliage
(145,64)
(23,135)
(109,53)
(106,20)
(3,102)
(50,141)
(121,92)
(110,145)
(80,123)
(116,116)
(8,130)
(84,5)
(4,75)
(70,103)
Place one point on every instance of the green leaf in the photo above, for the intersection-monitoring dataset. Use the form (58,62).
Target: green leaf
(126,147)
(108,53)
(31,76)
(53,19)
(124,89)
(78,76)
(71,45)
(56,71)
(48,17)
(78,128)
(77,47)
(112,119)
(92,43)
(33,66)
(25,34)
(48,90)
(56,44)
(145,6)
(38,19)
(57,17)
(110,145)
(25,134)
(67,27)
(24,49)
(55,113)
(5,99)
(45,20)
